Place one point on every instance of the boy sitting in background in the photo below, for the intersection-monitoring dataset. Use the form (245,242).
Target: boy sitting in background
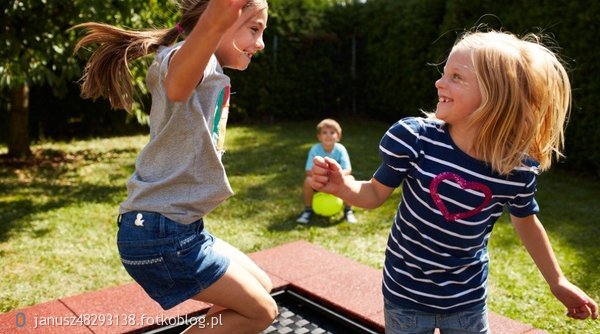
(329,133)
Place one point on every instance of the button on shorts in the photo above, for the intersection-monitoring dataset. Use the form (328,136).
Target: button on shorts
(172,262)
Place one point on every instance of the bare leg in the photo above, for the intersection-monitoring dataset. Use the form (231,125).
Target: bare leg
(248,308)
(241,297)
(243,260)
(308,192)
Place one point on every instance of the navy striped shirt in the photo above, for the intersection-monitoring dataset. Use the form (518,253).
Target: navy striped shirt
(436,257)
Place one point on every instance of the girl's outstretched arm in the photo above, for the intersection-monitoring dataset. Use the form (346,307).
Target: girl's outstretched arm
(328,176)
(533,235)
(188,63)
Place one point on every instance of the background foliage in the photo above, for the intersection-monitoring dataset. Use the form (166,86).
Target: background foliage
(36,48)
(322,58)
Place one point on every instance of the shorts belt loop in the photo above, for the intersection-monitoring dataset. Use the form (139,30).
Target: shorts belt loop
(163,227)
(119,218)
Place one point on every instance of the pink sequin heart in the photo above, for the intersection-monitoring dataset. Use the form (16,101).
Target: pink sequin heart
(433,189)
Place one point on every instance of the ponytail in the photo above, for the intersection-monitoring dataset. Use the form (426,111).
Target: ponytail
(107,73)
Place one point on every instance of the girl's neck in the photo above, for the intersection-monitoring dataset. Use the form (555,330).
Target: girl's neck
(464,139)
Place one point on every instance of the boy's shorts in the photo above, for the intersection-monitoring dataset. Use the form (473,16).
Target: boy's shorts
(171,261)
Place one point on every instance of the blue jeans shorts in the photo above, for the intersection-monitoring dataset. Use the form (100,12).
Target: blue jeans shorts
(171,261)
(400,320)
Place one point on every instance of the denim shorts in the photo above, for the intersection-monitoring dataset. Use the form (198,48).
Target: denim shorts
(171,261)
(400,320)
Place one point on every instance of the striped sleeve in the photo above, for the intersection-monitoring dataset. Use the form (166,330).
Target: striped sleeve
(398,148)
(524,203)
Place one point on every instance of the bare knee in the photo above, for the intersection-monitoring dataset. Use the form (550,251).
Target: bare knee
(268,312)
(265,313)
(271,311)
(265,281)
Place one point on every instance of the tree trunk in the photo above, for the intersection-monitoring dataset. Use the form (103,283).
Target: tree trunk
(18,122)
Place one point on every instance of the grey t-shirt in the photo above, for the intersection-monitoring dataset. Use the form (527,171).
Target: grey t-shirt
(179,172)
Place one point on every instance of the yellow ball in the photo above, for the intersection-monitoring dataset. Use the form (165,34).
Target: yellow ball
(326,204)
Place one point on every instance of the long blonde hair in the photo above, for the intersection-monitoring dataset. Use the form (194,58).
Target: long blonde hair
(107,73)
(526,99)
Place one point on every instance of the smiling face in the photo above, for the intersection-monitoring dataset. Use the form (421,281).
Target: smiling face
(458,89)
(244,39)
(328,136)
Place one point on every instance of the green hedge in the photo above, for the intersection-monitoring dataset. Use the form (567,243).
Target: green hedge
(301,72)
(307,69)
(398,44)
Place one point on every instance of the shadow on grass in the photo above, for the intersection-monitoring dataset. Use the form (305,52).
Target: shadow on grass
(14,213)
(290,224)
(40,184)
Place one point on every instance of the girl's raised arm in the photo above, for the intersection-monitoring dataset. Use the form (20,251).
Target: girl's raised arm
(187,65)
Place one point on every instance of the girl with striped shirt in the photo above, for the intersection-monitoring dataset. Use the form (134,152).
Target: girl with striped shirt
(499,121)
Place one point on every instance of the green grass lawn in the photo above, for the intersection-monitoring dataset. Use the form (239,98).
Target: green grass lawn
(57,231)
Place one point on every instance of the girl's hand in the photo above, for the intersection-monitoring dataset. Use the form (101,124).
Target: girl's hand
(187,65)
(327,175)
(579,305)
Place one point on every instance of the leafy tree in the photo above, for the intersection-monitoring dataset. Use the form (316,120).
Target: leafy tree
(36,48)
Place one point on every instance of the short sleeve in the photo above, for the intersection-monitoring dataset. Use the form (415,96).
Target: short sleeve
(158,69)
(309,160)
(524,203)
(344,157)
(398,148)
(160,66)
(164,58)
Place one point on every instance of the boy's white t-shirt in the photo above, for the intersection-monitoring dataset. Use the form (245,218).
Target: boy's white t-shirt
(179,173)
